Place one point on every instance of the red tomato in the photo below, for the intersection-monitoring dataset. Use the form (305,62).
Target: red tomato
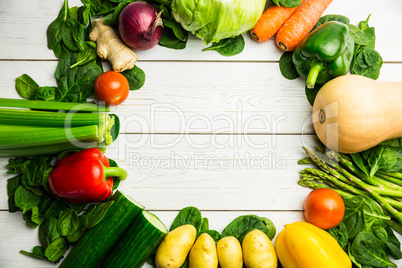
(324,208)
(111,87)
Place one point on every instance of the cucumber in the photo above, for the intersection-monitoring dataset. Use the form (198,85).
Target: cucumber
(139,242)
(96,242)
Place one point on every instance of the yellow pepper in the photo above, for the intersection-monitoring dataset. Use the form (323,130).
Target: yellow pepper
(302,244)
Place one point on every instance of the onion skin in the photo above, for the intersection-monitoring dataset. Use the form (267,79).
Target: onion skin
(140,25)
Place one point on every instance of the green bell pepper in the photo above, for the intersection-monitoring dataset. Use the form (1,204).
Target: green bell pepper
(325,53)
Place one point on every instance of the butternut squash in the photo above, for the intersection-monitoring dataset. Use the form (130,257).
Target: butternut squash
(352,113)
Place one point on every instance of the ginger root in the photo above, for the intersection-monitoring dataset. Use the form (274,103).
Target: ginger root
(110,47)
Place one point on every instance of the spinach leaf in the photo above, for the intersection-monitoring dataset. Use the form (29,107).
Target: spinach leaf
(373,211)
(361,163)
(80,231)
(45,93)
(68,222)
(287,67)
(216,236)
(368,63)
(12,185)
(228,46)
(287,3)
(393,246)
(87,54)
(380,157)
(368,250)
(204,224)
(359,36)
(77,84)
(188,215)
(311,93)
(100,7)
(135,77)
(242,225)
(65,64)
(340,234)
(331,17)
(48,231)
(393,143)
(36,217)
(65,33)
(26,86)
(178,31)
(56,249)
(17,165)
(354,217)
(169,40)
(37,253)
(25,199)
(37,171)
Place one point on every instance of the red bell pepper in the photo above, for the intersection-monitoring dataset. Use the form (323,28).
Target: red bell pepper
(84,177)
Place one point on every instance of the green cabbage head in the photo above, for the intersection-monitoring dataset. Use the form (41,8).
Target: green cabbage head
(213,20)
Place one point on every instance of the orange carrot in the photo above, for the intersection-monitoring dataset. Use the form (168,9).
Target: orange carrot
(300,24)
(270,22)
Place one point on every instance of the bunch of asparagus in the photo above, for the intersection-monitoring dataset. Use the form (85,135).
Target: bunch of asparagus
(338,172)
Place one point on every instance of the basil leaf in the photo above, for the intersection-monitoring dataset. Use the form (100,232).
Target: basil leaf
(228,46)
(26,86)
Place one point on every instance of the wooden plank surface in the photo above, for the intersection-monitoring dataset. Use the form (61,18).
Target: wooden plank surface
(220,133)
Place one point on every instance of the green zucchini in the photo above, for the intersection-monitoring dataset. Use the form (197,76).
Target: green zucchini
(139,242)
(97,241)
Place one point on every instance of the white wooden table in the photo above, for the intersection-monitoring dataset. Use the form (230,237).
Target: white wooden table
(219,133)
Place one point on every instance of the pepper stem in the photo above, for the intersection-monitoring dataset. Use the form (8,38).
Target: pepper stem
(114,172)
(315,69)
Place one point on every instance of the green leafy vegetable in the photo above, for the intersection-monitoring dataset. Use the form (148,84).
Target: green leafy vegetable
(78,83)
(287,67)
(188,215)
(55,251)
(37,253)
(26,86)
(359,36)
(287,3)
(25,199)
(86,55)
(68,222)
(228,46)
(368,63)
(48,231)
(213,21)
(331,17)
(135,77)
(242,225)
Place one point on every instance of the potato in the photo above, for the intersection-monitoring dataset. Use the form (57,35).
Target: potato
(173,250)
(258,251)
(203,254)
(229,252)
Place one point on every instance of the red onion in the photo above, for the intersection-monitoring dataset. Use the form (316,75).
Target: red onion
(140,25)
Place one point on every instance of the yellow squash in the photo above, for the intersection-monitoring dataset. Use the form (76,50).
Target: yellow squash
(302,244)
(353,113)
